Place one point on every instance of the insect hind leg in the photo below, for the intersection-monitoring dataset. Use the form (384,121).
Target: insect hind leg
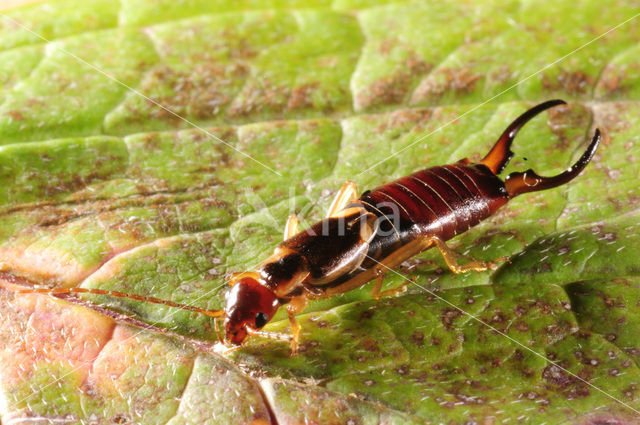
(450,255)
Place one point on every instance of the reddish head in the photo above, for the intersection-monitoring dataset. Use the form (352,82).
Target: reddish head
(249,305)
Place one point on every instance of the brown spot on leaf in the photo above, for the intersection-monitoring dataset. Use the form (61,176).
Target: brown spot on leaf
(448,316)
(502,75)
(519,310)
(563,119)
(202,92)
(301,97)
(608,236)
(460,80)
(522,326)
(556,376)
(611,83)
(387,45)
(498,318)
(614,82)
(15,115)
(572,82)
(403,369)
(418,338)
(120,418)
(404,120)
(580,390)
(393,88)
(630,391)
(258,97)
(369,344)
(544,267)
(367,314)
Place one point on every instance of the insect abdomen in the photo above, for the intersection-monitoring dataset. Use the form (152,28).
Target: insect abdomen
(441,201)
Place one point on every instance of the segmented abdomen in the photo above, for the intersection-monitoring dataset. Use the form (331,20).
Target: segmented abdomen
(441,201)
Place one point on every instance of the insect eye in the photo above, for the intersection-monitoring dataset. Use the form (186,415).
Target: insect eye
(261,320)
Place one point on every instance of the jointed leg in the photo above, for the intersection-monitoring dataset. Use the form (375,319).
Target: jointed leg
(269,335)
(295,331)
(296,305)
(403,254)
(450,258)
(233,277)
(291,228)
(293,308)
(347,193)
(377,286)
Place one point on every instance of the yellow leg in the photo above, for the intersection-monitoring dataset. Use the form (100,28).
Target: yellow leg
(291,228)
(235,276)
(347,193)
(376,291)
(295,331)
(450,258)
(296,305)
(269,335)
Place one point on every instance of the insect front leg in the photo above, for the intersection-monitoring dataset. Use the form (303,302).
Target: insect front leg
(295,331)
(291,228)
(296,305)
(268,335)
(347,193)
(450,255)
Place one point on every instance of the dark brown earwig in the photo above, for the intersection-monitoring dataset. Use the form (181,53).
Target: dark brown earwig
(361,237)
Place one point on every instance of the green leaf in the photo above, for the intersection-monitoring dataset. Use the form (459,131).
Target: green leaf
(155,147)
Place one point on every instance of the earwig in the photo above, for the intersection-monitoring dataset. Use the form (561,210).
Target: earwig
(364,236)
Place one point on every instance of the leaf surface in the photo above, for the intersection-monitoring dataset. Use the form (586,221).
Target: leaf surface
(139,144)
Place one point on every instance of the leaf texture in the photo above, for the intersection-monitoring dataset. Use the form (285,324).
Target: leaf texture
(153,147)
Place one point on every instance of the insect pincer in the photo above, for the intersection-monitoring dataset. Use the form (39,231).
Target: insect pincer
(529,181)
(249,306)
